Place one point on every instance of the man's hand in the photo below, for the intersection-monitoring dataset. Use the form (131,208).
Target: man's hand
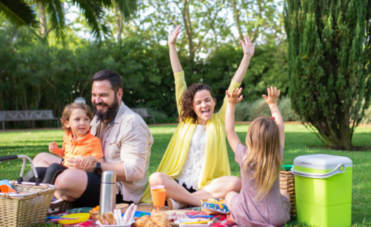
(273,95)
(247,47)
(82,163)
(235,96)
(173,36)
(88,162)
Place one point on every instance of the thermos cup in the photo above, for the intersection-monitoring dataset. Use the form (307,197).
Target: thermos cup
(107,200)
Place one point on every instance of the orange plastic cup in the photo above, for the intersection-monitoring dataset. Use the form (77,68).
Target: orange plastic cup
(156,187)
(158,197)
(5,189)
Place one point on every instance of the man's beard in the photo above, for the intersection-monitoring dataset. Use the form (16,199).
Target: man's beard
(110,112)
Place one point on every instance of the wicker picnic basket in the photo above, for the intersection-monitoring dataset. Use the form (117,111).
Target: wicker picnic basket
(28,208)
(287,182)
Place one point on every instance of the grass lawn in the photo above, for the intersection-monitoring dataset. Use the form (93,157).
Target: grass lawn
(299,141)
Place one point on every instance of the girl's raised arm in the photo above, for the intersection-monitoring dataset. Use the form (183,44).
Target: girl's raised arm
(271,100)
(233,98)
(175,63)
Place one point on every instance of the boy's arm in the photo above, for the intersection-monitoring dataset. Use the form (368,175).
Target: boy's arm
(174,60)
(53,148)
(272,99)
(232,136)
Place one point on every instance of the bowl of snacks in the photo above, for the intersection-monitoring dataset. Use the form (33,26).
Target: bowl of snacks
(115,218)
(94,212)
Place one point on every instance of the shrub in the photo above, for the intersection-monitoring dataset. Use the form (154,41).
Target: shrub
(249,110)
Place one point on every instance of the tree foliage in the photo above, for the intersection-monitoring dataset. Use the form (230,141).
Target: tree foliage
(328,55)
(18,12)
(38,76)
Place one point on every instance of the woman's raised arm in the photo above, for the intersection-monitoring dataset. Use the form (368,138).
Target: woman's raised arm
(248,52)
(175,63)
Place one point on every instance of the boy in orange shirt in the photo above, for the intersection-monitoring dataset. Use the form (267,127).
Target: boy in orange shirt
(78,143)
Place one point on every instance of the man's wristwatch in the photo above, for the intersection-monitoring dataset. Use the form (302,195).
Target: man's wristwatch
(98,169)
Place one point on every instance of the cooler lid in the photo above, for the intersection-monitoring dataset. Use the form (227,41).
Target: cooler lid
(322,161)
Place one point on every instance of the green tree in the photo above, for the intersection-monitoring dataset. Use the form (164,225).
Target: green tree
(44,12)
(328,55)
(18,12)
(257,18)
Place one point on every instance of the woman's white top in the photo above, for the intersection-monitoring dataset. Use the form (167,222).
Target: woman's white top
(191,171)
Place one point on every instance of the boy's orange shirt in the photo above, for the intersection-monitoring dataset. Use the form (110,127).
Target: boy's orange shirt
(89,145)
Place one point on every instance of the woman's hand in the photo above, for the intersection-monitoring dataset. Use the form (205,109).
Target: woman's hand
(235,96)
(247,47)
(273,95)
(173,35)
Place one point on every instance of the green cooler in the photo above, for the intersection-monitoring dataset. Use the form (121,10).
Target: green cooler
(323,188)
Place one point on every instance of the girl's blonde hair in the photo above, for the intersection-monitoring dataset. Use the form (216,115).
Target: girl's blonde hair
(263,160)
(68,110)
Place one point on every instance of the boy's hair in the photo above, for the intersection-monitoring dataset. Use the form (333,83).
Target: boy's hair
(68,110)
(187,101)
(113,77)
(263,160)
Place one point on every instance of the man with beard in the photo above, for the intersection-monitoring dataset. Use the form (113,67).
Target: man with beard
(126,143)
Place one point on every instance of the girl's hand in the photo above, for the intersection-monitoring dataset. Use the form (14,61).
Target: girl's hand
(173,35)
(273,95)
(235,96)
(53,147)
(247,47)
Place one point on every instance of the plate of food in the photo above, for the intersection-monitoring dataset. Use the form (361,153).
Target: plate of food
(116,220)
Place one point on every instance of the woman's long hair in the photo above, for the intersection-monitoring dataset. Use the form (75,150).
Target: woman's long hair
(187,101)
(262,162)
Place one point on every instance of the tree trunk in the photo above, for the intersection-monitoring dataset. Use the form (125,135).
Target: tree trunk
(119,18)
(256,32)
(237,18)
(344,131)
(189,32)
(43,25)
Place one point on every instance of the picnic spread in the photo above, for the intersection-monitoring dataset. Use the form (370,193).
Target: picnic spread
(192,216)
(25,204)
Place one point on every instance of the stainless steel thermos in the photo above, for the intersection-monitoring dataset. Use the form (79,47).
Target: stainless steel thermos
(107,201)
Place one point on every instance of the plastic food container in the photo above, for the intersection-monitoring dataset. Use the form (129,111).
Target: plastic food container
(323,187)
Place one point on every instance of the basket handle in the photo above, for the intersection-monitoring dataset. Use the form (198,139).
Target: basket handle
(336,170)
(7,158)
(24,157)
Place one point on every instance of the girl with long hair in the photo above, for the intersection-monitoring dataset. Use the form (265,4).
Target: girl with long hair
(195,165)
(260,201)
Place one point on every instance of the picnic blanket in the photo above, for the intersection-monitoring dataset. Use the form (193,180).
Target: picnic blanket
(89,222)
(222,218)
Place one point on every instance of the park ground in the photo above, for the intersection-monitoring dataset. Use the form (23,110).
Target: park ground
(299,141)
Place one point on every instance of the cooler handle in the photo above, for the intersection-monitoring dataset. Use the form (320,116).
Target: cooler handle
(336,170)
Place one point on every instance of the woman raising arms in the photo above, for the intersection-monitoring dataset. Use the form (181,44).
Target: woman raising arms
(195,165)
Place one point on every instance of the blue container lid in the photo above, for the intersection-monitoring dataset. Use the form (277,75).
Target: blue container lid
(139,214)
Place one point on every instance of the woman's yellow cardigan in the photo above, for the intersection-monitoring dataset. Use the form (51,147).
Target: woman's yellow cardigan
(216,159)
